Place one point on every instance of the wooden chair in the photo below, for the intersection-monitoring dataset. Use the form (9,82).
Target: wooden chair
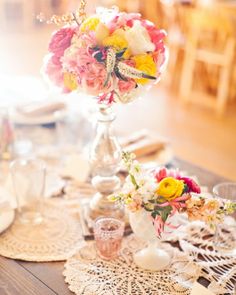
(210,43)
(172,23)
(16,14)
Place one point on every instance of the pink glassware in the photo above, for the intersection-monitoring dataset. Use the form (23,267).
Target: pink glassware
(108,234)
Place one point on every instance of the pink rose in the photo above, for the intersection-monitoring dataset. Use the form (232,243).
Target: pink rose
(191,184)
(61,40)
(126,86)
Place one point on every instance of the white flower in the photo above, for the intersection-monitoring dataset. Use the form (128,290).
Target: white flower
(139,39)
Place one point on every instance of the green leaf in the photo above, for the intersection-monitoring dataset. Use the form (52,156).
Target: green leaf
(166,208)
(96,48)
(154,214)
(148,207)
(146,76)
(133,180)
(166,212)
(152,201)
(164,215)
(99,57)
(119,76)
(161,200)
(185,188)
(120,53)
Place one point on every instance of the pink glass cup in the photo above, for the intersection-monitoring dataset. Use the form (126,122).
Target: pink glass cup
(108,234)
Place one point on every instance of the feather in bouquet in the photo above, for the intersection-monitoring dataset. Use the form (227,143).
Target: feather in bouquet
(165,192)
(111,55)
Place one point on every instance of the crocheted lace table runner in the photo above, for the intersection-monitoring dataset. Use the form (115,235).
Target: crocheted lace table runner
(86,273)
(217,258)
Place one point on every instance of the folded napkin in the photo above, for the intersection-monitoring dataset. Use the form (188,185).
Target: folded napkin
(40,108)
(77,167)
(143,143)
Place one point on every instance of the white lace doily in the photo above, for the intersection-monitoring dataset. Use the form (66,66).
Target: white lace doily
(56,239)
(218,265)
(87,274)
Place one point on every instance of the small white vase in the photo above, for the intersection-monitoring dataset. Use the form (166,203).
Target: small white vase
(152,257)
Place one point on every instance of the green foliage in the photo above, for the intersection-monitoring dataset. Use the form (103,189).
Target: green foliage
(120,53)
(164,212)
(133,180)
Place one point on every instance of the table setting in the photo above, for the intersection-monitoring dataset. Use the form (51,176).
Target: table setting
(83,211)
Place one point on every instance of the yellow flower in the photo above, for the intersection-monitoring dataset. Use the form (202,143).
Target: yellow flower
(90,24)
(126,54)
(117,41)
(146,64)
(170,188)
(70,81)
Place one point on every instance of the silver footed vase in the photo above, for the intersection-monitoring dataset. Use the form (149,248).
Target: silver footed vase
(105,159)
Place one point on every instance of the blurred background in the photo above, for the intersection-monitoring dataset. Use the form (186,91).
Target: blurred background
(194,106)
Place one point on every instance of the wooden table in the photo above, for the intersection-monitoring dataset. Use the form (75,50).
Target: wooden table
(28,278)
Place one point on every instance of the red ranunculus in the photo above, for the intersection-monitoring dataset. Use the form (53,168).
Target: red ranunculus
(193,187)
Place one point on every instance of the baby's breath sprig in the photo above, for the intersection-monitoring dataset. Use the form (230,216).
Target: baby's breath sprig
(67,18)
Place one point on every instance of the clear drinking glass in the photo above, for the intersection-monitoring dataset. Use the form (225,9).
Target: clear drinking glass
(226,191)
(108,234)
(28,177)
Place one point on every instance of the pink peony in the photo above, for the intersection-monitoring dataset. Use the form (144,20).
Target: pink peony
(53,69)
(76,61)
(93,78)
(126,86)
(192,185)
(61,40)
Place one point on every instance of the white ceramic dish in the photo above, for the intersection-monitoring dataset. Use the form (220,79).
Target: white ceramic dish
(19,118)
(6,218)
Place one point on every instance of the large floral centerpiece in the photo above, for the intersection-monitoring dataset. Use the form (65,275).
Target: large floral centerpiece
(155,198)
(110,55)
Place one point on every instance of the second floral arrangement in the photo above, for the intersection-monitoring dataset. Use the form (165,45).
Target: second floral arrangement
(163,193)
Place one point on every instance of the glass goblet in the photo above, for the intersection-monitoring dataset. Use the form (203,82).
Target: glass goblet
(227,192)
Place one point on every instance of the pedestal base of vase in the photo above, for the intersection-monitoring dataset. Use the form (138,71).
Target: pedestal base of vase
(152,258)
(99,204)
